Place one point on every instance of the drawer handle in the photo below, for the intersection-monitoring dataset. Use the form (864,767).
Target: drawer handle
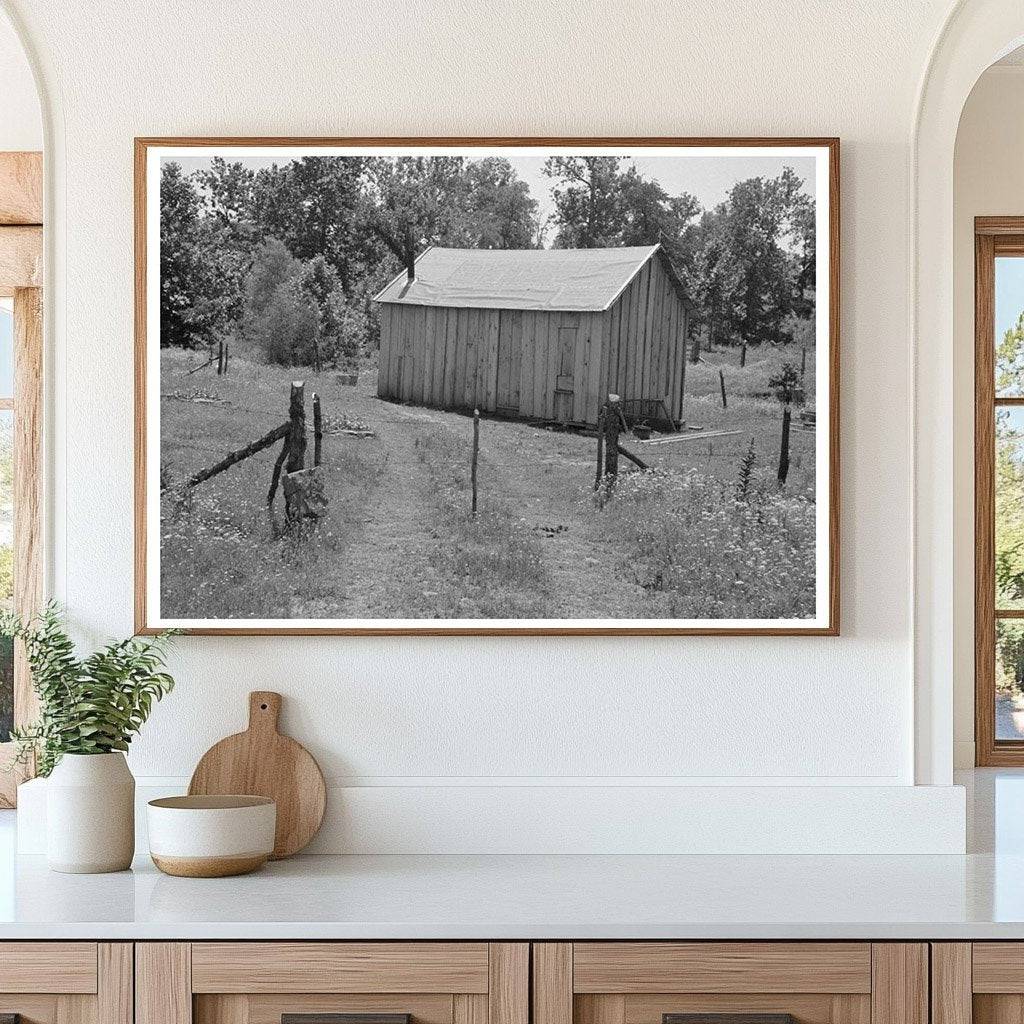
(728,1018)
(339,1018)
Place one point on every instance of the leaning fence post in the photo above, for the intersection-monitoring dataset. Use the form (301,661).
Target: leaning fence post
(721,381)
(318,430)
(784,453)
(476,453)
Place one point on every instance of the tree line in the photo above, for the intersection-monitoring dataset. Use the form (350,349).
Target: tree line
(285,259)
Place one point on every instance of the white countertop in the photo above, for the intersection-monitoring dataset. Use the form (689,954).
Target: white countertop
(978,896)
(532,897)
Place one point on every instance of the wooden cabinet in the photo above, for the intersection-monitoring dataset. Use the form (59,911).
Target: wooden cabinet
(979,982)
(66,982)
(647,982)
(261,982)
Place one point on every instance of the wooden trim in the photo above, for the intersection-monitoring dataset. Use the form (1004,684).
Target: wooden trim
(984,500)
(143,143)
(637,967)
(27,500)
(508,983)
(899,983)
(21,188)
(115,983)
(21,258)
(951,983)
(552,983)
(28,480)
(163,983)
(467,1008)
(997,968)
(340,967)
(49,967)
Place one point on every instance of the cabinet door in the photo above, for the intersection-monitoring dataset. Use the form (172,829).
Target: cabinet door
(980,982)
(747,982)
(66,982)
(315,982)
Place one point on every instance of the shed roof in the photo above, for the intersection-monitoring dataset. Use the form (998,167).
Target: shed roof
(575,280)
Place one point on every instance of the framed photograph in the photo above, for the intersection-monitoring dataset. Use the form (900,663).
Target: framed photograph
(487,386)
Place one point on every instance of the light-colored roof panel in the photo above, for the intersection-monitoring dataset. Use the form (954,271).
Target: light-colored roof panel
(577,280)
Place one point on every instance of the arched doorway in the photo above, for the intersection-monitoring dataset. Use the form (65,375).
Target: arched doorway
(976,33)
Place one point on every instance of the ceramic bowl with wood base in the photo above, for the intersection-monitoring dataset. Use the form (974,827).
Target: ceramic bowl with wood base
(211,836)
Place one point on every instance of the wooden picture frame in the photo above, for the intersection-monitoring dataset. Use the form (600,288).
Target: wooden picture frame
(826,620)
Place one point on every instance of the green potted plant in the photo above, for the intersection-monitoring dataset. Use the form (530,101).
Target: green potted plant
(89,710)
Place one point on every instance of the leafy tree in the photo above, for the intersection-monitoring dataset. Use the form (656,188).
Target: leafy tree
(501,207)
(314,205)
(1010,360)
(280,320)
(196,279)
(587,200)
(1009,510)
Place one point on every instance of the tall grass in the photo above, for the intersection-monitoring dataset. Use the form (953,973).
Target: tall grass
(701,551)
(490,565)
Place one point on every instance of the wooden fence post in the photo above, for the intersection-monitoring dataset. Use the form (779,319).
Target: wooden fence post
(220,357)
(227,347)
(784,453)
(318,430)
(743,354)
(297,432)
(476,453)
(612,423)
(602,417)
(803,362)
(721,381)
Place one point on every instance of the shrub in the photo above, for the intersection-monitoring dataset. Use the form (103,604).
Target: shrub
(701,551)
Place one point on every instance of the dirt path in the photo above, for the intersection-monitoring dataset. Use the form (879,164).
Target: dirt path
(390,555)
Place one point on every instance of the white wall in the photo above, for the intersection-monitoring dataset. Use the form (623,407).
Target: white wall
(445,713)
(21,125)
(988,181)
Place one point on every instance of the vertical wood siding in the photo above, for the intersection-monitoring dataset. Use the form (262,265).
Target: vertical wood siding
(510,361)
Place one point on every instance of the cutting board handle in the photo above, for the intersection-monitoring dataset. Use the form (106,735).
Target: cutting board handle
(264,711)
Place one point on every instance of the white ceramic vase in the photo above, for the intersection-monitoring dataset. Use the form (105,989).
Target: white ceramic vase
(90,814)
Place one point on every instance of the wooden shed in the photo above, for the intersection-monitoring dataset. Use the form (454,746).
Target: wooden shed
(534,333)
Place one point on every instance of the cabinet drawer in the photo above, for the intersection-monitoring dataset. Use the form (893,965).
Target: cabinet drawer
(48,967)
(630,967)
(262,982)
(66,982)
(340,967)
(749,982)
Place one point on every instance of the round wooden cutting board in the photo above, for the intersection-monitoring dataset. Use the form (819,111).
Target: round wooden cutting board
(262,762)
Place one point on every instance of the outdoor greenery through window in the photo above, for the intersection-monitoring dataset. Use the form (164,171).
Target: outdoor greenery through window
(1009,496)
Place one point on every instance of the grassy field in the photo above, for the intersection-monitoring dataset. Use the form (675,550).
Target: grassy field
(398,541)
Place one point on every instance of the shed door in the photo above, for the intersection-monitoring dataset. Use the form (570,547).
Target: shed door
(564,383)
(510,360)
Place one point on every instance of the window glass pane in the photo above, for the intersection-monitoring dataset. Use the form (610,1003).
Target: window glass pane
(1009,484)
(1009,679)
(6,567)
(1009,325)
(6,349)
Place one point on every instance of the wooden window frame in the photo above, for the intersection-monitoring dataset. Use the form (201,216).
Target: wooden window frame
(21,269)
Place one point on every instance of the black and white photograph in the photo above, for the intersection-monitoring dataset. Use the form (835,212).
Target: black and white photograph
(460,386)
